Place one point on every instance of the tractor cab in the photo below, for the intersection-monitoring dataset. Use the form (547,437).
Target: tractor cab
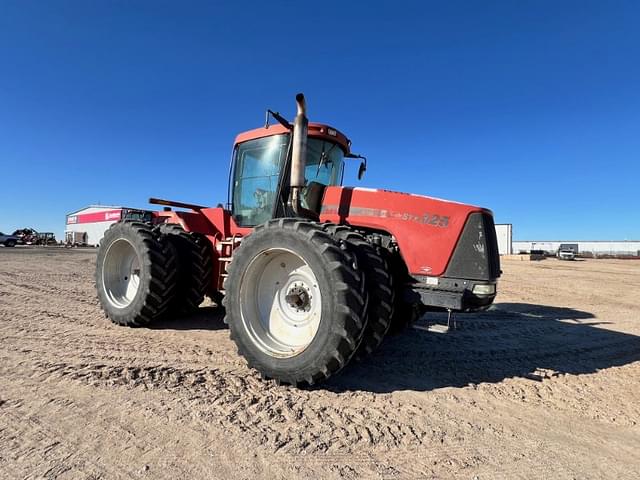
(261,165)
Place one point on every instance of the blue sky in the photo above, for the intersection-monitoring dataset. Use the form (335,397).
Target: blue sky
(529,108)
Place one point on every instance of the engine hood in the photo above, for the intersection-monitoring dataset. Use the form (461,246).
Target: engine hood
(426,229)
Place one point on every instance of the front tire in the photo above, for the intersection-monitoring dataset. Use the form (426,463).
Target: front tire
(294,302)
(135,274)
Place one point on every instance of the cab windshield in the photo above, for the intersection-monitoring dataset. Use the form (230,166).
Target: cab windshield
(257,167)
(324,162)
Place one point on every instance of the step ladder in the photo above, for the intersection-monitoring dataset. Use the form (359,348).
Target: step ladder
(432,327)
(227,247)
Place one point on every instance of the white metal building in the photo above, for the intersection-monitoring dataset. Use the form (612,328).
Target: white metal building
(92,221)
(594,247)
(504,233)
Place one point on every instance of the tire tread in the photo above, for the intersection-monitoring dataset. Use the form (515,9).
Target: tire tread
(159,264)
(350,310)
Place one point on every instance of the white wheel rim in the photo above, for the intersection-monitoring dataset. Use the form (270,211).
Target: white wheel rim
(280,303)
(121,273)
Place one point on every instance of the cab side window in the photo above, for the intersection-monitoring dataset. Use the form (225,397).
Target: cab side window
(257,171)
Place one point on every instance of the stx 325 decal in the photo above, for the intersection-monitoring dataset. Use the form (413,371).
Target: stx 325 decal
(426,218)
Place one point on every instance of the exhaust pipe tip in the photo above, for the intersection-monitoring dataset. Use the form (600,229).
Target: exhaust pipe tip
(301,104)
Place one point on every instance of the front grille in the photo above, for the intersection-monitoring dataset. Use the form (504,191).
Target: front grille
(492,245)
(476,255)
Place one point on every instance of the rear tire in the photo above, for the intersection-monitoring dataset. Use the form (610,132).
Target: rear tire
(294,302)
(379,286)
(135,274)
(194,264)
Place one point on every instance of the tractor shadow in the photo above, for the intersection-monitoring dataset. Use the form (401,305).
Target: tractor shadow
(205,318)
(509,340)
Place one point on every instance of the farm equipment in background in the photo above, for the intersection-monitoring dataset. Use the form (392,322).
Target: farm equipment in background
(30,236)
(135,215)
(45,239)
(26,236)
(311,273)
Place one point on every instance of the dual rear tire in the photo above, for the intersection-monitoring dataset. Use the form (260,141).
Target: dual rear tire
(193,266)
(135,274)
(144,273)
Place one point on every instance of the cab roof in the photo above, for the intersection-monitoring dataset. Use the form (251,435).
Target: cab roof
(316,130)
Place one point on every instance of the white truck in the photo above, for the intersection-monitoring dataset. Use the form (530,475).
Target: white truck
(567,251)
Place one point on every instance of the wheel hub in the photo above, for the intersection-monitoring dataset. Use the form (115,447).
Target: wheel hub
(281,303)
(298,298)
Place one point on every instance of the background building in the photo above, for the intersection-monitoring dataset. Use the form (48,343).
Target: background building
(504,233)
(622,248)
(596,248)
(90,223)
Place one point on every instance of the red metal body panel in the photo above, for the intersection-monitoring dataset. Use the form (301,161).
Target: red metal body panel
(426,229)
(316,130)
(212,222)
(215,223)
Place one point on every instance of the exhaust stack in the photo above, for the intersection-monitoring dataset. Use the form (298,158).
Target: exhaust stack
(299,152)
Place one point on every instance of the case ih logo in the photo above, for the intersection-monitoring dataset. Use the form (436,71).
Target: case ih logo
(112,216)
(72,219)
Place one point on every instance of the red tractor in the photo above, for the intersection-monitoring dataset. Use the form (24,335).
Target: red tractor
(311,274)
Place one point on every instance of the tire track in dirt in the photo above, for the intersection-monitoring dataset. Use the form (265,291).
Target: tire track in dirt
(53,420)
(297,421)
(509,392)
(242,402)
(98,348)
(279,417)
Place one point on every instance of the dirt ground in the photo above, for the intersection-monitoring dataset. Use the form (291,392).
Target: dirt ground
(544,385)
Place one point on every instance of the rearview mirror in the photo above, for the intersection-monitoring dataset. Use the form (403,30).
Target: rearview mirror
(361,170)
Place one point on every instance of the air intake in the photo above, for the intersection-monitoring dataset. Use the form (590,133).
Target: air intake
(476,255)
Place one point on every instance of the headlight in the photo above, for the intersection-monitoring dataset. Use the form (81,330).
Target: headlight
(484,289)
